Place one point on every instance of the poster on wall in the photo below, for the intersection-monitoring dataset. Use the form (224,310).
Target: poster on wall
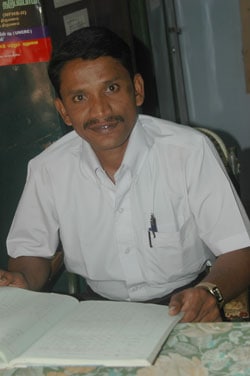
(24,37)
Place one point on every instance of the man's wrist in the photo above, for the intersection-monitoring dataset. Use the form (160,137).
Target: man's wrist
(213,290)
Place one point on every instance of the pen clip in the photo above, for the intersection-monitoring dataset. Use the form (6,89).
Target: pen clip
(152,229)
(153,226)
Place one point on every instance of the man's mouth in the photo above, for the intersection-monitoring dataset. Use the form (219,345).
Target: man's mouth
(103,126)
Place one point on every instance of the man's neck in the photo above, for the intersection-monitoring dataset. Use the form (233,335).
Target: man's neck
(111,160)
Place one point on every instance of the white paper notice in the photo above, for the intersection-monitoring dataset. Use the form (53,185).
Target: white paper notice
(61,3)
(76,20)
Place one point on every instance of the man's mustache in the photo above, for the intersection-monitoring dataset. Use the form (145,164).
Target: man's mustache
(108,120)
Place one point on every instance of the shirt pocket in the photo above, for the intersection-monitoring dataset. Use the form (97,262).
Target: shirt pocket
(174,255)
(165,240)
(186,236)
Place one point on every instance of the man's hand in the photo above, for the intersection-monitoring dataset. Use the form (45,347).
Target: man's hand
(197,304)
(13,279)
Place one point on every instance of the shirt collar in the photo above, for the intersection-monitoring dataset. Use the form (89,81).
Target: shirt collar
(138,147)
(137,150)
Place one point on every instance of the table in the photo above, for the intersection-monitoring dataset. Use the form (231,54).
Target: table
(204,349)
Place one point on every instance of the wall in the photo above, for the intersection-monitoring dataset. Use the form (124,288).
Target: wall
(209,39)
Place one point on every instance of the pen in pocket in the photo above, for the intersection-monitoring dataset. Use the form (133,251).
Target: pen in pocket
(152,229)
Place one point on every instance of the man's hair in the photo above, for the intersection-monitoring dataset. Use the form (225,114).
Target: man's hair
(89,43)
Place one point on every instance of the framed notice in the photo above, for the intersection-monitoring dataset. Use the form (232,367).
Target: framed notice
(23,35)
(76,20)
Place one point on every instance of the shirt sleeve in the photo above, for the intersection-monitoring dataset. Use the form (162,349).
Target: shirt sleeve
(34,230)
(221,219)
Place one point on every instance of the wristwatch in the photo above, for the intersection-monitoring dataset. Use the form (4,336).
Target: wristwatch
(214,290)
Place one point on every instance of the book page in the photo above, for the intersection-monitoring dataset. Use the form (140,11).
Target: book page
(105,333)
(25,316)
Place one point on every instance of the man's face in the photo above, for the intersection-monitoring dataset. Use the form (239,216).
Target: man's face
(99,100)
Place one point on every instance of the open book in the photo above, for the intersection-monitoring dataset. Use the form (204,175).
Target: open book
(52,329)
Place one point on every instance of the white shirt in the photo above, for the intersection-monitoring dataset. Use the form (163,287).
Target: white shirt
(169,170)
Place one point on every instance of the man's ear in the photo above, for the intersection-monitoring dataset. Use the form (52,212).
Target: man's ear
(62,111)
(139,89)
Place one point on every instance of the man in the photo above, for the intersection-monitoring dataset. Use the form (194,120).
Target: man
(140,204)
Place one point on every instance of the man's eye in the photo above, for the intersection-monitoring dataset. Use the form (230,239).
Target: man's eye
(78,98)
(112,88)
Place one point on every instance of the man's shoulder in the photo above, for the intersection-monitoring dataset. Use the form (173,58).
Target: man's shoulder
(60,150)
(170,132)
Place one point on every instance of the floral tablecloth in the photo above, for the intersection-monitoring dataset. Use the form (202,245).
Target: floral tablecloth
(220,349)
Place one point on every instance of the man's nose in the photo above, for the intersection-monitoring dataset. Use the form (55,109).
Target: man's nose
(100,106)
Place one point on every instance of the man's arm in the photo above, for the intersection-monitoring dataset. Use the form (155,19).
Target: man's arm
(26,272)
(230,272)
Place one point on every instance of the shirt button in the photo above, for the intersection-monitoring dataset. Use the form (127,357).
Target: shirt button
(127,250)
(120,210)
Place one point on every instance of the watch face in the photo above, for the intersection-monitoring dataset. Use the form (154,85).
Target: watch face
(218,296)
